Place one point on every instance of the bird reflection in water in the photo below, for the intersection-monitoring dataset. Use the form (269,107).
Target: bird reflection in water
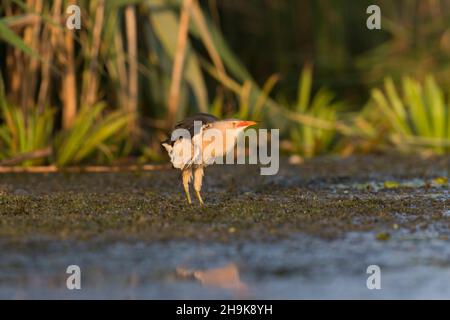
(226,277)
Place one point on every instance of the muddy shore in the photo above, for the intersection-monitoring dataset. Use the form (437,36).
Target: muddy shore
(324,197)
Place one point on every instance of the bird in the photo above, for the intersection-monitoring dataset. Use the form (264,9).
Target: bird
(192,163)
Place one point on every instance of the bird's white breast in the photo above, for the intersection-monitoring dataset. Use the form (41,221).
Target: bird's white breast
(203,149)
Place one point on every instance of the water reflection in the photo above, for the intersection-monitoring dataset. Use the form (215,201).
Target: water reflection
(225,277)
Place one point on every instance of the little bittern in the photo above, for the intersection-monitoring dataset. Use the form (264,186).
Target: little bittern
(199,147)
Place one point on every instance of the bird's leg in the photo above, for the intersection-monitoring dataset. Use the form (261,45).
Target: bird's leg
(198,177)
(186,175)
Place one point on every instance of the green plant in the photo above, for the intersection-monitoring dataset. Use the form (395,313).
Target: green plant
(91,134)
(415,39)
(22,134)
(310,140)
(25,133)
(420,118)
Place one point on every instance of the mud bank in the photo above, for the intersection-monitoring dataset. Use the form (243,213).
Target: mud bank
(323,197)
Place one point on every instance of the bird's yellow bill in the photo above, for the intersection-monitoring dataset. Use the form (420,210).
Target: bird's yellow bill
(246,123)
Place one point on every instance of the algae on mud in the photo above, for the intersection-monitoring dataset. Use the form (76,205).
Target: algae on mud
(323,197)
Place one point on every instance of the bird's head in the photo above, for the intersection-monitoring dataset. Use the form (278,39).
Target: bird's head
(232,124)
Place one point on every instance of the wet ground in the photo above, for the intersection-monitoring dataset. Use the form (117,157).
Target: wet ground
(309,232)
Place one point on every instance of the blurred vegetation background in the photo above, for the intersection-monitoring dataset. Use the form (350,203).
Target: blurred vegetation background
(110,92)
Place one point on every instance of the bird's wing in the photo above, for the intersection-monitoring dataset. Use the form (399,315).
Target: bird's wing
(175,148)
(184,152)
(181,153)
(188,123)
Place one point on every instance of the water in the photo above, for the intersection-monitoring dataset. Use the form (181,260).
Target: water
(412,266)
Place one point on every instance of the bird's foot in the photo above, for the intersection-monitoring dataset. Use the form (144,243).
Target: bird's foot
(188,198)
(200,200)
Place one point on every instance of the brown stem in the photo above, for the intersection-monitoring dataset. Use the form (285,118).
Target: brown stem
(69,83)
(177,70)
(42,153)
(31,65)
(92,79)
(50,34)
(53,168)
(132,97)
